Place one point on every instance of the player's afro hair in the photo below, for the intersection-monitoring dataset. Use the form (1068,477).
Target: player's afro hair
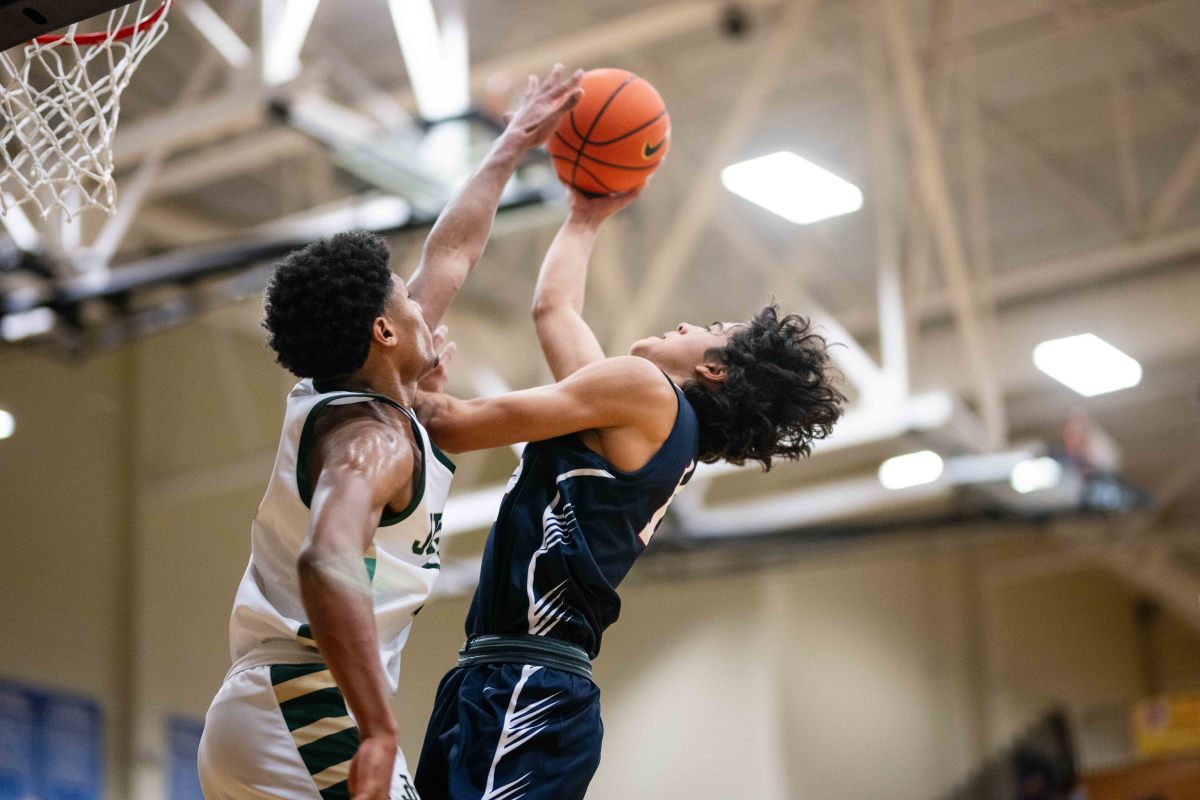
(321,301)
(779,395)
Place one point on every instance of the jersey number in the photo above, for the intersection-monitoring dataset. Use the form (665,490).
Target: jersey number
(430,545)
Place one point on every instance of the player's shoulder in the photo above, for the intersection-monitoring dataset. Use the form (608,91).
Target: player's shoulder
(631,379)
(631,372)
(360,434)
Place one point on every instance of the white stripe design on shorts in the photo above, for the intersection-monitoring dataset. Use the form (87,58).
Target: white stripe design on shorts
(518,728)
(546,612)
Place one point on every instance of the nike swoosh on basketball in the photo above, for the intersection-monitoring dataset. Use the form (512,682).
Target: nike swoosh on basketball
(649,149)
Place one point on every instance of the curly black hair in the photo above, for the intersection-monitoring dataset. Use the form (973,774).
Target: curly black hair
(780,392)
(321,301)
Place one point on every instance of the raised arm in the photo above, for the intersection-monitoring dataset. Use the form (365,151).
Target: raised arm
(458,237)
(567,341)
(362,466)
(623,392)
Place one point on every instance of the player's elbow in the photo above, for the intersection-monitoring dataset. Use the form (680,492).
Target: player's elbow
(452,261)
(310,569)
(543,306)
(547,307)
(315,560)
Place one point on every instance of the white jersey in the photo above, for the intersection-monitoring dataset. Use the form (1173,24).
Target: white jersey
(268,624)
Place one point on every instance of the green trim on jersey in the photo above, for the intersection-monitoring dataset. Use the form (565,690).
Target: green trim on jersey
(442,457)
(305,446)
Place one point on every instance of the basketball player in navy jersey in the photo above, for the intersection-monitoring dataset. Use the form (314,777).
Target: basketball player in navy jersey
(610,444)
(344,547)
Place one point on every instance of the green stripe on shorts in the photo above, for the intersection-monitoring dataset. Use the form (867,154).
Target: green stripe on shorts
(330,750)
(339,791)
(306,710)
(285,672)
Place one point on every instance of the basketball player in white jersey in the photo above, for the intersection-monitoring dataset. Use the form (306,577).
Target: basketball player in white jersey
(344,547)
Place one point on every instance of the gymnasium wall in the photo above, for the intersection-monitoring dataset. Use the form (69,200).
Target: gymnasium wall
(64,531)
(885,671)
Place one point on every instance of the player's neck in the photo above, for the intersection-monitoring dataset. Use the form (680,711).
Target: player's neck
(385,382)
(677,377)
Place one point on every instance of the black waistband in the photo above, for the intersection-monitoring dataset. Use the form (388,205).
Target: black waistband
(537,650)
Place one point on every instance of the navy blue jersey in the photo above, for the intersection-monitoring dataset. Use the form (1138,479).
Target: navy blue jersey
(568,531)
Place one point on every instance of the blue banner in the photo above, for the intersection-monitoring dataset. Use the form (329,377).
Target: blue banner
(183,741)
(51,745)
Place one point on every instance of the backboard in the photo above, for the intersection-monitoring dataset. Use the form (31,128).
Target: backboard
(21,20)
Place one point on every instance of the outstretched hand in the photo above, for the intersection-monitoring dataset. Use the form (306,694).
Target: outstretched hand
(543,106)
(434,381)
(593,210)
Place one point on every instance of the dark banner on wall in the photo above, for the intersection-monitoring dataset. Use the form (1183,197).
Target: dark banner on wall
(183,741)
(51,745)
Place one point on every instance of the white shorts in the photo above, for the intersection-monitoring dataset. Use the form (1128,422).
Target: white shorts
(283,731)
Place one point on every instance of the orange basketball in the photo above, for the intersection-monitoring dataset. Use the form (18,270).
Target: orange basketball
(615,138)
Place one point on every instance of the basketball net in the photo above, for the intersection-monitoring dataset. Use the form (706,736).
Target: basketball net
(59,103)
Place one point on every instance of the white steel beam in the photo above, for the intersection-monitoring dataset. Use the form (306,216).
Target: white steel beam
(22,231)
(979,236)
(1037,169)
(1176,189)
(592,45)
(1153,568)
(162,225)
(917,258)
(245,154)
(1080,269)
(135,192)
(1131,189)
(918,265)
(854,361)
(243,108)
(893,329)
(235,111)
(936,198)
(436,58)
(217,32)
(285,25)
(694,214)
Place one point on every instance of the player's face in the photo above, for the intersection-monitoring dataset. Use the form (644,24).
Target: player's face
(414,352)
(680,351)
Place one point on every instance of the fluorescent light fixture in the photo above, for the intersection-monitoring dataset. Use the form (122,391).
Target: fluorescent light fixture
(7,424)
(911,469)
(1034,474)
(1087,364)
(24,324)
(792,187)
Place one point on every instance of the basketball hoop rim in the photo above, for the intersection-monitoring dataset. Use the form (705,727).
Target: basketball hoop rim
(88,39)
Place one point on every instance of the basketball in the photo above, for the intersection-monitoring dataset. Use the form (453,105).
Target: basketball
(615,138)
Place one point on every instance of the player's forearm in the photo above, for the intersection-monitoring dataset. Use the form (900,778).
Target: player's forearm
(337,599)
(562,280)
(463,227)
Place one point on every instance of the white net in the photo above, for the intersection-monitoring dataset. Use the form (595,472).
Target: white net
(59,104)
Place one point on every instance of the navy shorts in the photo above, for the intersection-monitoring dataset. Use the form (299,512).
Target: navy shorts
(511,732)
